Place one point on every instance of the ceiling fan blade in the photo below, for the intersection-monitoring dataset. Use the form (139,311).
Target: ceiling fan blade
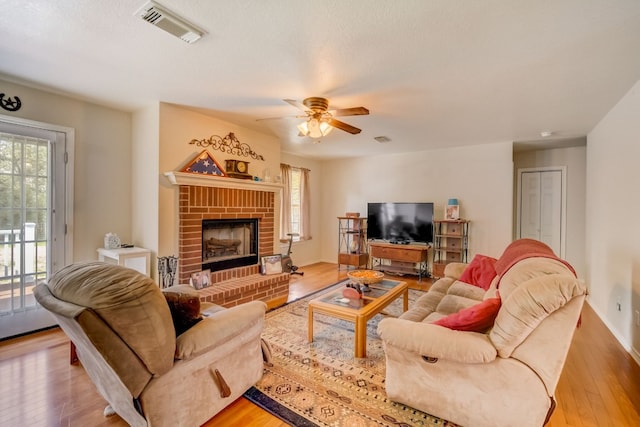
(281,117)
(355,111)
(344,126)
(296,104)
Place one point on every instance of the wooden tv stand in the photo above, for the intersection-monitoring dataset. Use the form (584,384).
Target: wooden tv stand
(404,259)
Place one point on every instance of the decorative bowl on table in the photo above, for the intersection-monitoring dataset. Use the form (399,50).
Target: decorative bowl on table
(365,277)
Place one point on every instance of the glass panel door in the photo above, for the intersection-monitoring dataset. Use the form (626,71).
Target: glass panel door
(31,222)
(24,184)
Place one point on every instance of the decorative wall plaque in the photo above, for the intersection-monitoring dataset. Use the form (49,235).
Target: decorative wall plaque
(9,103)
(229,144)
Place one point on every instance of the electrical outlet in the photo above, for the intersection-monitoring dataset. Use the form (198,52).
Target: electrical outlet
(618,305)
(637,317)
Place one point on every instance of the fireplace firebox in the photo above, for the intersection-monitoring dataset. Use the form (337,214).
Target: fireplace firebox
(229,243)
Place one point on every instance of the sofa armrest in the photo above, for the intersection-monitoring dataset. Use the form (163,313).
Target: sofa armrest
(218,328)
(454,269)
(437,341)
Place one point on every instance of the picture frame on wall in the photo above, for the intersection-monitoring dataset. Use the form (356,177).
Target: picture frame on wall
(271,264)
(201,279)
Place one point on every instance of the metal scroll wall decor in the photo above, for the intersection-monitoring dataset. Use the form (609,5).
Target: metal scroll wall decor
(10,103)
(229,144)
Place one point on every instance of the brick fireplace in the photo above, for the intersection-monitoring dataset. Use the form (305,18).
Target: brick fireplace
(201,200)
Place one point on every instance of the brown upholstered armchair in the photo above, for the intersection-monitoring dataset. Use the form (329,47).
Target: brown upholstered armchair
(122,328)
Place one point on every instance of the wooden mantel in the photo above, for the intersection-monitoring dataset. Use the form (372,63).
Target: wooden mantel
(201,180)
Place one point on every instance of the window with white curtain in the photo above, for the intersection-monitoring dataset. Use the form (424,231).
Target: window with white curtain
(296,203)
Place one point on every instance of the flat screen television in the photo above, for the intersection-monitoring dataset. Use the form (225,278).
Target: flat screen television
(400,222)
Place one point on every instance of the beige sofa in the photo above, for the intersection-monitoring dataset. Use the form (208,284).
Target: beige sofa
(122,327)
(505,376)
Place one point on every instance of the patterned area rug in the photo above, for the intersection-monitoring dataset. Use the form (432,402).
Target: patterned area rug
(322,383)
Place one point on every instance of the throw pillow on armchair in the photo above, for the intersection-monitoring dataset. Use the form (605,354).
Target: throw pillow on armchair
(184,303)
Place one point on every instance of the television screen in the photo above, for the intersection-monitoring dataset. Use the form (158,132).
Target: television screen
(400,222)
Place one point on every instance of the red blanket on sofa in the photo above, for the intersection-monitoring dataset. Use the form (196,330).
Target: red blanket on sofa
(526,248)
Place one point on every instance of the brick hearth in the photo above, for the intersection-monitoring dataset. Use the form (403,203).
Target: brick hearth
(198,203)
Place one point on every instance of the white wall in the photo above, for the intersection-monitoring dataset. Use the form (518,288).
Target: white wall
(178,126)
(308,251)
(575,160)
(613,202)
(102,173)
(480,177)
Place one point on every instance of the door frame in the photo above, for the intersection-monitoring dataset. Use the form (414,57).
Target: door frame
(563,203)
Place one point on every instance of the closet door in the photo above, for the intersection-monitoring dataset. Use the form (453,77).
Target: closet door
(541,207)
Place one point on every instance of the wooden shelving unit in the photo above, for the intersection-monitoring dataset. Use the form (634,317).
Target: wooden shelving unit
(451,243)
(352,239)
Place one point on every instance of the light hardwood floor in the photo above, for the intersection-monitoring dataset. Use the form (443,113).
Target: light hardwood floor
(600,384)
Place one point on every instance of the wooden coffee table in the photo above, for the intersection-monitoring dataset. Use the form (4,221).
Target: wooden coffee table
(359,311)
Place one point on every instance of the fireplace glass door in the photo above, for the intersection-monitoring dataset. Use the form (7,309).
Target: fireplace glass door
(229,243)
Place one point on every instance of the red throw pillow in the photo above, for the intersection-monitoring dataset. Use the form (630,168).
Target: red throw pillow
(480,272)
(477,318)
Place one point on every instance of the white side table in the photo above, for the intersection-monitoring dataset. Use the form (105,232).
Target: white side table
(136,258)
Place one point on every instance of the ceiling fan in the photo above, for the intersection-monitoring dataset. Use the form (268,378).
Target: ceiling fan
(320,121)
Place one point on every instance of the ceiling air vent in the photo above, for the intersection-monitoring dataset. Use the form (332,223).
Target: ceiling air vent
(157,15)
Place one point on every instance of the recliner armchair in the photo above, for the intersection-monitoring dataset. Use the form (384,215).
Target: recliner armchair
(123,331)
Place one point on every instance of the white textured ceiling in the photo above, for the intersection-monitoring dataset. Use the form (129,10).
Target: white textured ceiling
(433,73)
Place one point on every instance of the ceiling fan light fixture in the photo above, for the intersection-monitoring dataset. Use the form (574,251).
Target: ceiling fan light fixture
(319,121)
(303,128)
(324,129)
(315,128)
